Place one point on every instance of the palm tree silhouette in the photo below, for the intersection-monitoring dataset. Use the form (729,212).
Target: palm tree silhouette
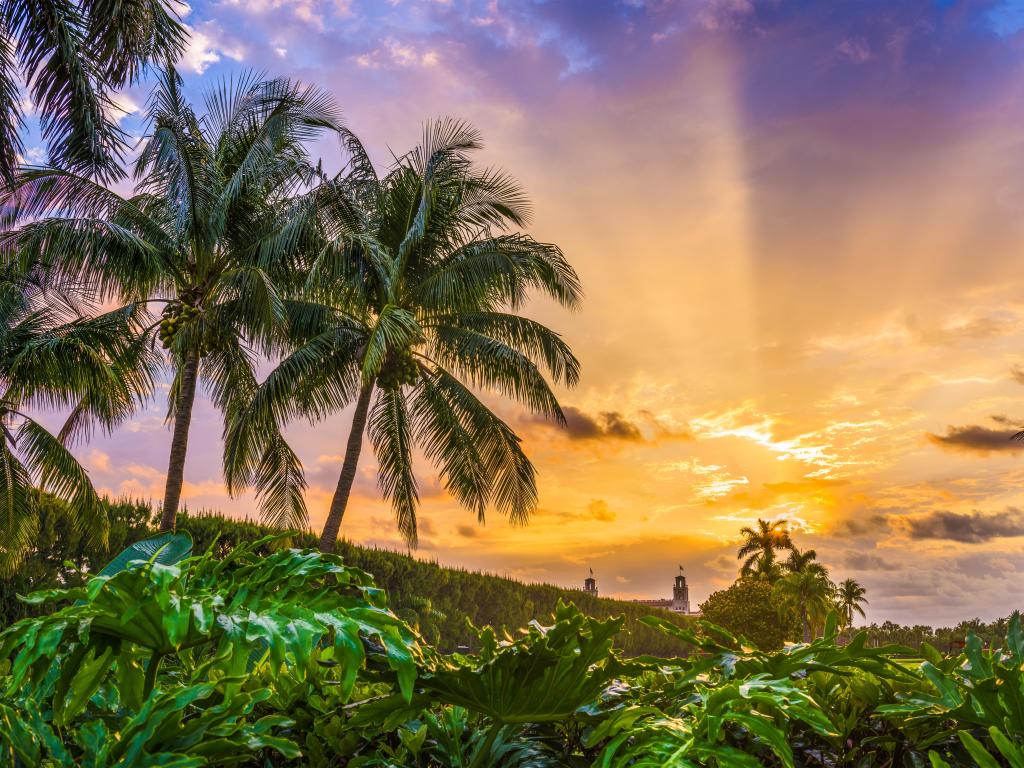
(763,541)
(850,596)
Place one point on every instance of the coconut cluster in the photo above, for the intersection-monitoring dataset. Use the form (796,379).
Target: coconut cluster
(175,315)
(399,369)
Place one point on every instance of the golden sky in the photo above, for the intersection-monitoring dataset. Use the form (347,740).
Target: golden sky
(799,229)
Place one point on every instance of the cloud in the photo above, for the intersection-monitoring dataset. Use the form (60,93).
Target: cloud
(961,330)
(975,438)
(856,49)
(967,527)
(716,15)
(861,526)
(1017,373)
(468,531)
(396,53)
(206,45)
(598,509)
(865,561)
(608,424)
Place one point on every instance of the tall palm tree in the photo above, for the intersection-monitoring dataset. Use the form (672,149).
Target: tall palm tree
(803,561)
(764,539)
(50,357)
(765,567)
(419,278)
(201,236)
(808,595)
(851,596)
(73,54)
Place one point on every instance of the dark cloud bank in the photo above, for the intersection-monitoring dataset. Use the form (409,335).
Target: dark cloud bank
(976,438)
(967,527)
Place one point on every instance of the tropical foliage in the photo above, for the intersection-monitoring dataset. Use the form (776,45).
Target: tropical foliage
(51,357)
(293,658)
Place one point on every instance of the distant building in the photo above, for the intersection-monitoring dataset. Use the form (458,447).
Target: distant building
(680,602)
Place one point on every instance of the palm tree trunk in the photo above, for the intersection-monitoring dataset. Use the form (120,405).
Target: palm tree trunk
(329,537)
(806,623)
(179,441)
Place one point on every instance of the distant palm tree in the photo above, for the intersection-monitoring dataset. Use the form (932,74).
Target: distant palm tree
(421,280)
(807,560)
(808,595)
(73,54)
(203,237)
(765,567)
(850,596)
(764,539)
(52,358)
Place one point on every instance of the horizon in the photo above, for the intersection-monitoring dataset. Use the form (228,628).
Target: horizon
(795,227)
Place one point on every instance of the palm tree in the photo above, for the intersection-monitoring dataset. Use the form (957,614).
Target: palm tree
(807,595)
(801,562)
(419,280)
(202,236)
(851,596)
(766,538)
(52,358)
(765,567)
(73,54)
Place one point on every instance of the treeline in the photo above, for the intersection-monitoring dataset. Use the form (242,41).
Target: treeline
(439,601)
(946,639)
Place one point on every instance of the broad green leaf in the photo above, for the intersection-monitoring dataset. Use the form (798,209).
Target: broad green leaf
(166,548)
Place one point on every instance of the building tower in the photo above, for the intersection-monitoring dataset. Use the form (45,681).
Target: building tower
(590,584)
(680,594)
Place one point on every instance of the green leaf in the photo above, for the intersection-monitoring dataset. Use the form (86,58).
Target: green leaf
(977,751)
(86,682)
(166,549)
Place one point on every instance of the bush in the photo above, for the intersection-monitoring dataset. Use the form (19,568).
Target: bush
(746,609)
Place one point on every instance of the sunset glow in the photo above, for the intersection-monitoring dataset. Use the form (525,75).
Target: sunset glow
(799,229)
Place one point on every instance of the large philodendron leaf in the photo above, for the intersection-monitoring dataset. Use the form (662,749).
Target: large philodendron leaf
(166,549)
(544,676)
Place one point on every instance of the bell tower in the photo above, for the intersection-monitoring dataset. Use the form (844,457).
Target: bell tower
(590,584)
(680,594)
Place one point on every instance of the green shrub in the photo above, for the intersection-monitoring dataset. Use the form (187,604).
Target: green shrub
(746,609)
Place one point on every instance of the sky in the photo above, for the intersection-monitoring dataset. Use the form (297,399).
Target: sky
(799,229)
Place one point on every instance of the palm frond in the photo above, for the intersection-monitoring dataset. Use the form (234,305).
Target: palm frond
(68,85)
(390,432)
(487,363)
(58,472)
(498,271)
(125,35)
(17,518)
(281,486)
(447,438)
(526,336)
(11,120)
(511,475)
